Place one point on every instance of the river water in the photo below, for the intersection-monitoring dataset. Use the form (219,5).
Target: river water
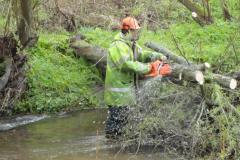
(75,136)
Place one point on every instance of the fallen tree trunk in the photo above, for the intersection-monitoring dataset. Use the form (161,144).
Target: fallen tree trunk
(158,48)
(98,56)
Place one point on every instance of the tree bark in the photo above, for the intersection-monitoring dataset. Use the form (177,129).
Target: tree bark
(25,22)
(235,75)
(12,80)
(226,13)
(224,81)
(4,79)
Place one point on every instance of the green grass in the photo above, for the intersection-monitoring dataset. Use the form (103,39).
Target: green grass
(56,79)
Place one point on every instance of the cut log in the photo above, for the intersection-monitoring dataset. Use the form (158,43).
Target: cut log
(158,48)
(5,77)
(224,81)
(185,73)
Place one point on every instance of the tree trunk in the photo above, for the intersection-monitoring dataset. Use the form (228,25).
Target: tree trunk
(207,11)
(25,21)
(226,13)
(197,13)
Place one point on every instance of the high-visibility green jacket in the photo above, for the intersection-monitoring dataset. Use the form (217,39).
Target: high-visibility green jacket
(121,67)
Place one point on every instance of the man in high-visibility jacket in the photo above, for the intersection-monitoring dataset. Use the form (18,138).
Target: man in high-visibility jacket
(125,62)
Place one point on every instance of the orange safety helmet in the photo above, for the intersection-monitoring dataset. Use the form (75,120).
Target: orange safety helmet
(129,23)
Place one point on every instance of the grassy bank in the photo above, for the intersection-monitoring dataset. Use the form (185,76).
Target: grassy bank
(57,80)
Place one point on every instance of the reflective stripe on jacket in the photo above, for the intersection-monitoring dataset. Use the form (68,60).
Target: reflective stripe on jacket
(119,82)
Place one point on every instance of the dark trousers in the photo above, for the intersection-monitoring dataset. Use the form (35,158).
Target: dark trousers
(116,120)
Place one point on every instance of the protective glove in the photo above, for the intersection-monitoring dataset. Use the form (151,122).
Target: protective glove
(159,68)
(165,70)
(154,69)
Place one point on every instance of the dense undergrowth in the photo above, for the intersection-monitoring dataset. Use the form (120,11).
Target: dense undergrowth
(57,80)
